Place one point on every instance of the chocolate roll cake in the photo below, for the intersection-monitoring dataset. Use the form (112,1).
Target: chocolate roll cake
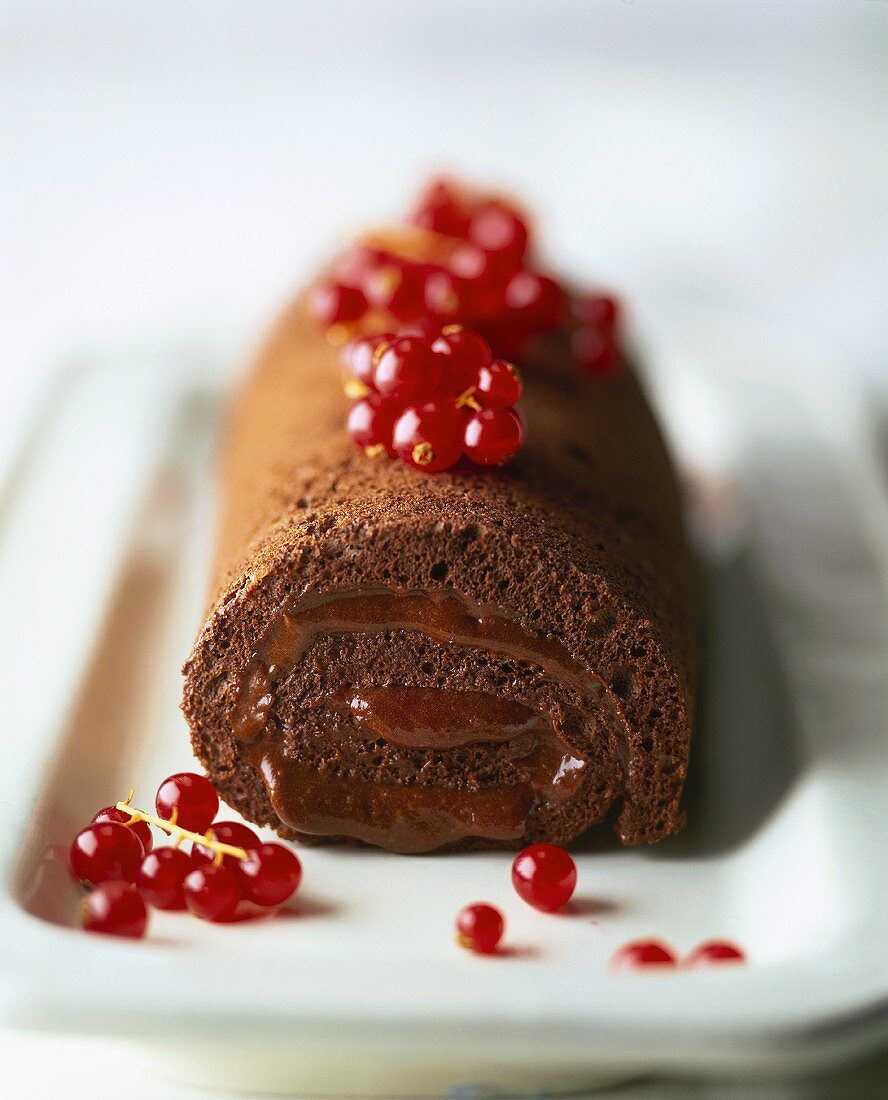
(474,658)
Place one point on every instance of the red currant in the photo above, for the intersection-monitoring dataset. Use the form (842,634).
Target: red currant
(477,280)
(508,339)
(398,287)
(141,828)
(442,209)
(371,422)
(493,436)
(715,952)
(498,384)
(480,928)
(643,953)
(226,832)
(545,876)
(407,370)
(161,877)
(535,299)
(468,262)
(463,354)
(596,310)
(595,350)
(212,891)
(358,357)
(270,874)
(334,303)
(115,909)
(106,852)
(497,228)
(429,437)
(192,797)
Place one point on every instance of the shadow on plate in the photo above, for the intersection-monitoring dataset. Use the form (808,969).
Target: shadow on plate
(745,751)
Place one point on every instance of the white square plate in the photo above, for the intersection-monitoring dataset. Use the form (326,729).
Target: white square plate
(360,987)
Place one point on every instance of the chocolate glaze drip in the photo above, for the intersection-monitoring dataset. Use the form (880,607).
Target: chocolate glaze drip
(415,818)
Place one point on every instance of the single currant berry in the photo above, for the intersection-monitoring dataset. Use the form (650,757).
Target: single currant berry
(595,351)
(715,953)
(161,877)
(270,874)
(469,263)
(334,303)
(212,892)
(407,370)
(115,909)
(480,928)
(640,954)
(478,281)
(107,852)
(226,832)
(442,208)
(535,300)
(498,384)
(493,436)
(191,797)
(429,437)
(398,287)
(545,876)
(358,357)
(463,354)
(596,311)
(509,339)
(141,828)
(371,424)
(497,228)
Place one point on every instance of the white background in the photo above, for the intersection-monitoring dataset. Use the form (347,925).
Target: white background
(170,171)
(176,169)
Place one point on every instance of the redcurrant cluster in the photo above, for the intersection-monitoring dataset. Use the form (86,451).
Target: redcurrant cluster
(431,398)
(465,257)
(229,874)
(468,262)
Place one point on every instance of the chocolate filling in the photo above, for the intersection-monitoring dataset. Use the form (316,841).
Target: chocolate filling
(427,718)
(417,818)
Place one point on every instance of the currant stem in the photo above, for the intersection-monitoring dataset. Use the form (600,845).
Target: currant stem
(355,389)
(409,242)
(206,839)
